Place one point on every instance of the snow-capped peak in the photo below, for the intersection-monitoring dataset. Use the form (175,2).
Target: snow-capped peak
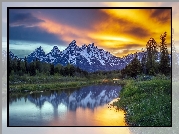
(55,47)
(84,46)
(91,45)
(73,44)
(39,49)
(55,50)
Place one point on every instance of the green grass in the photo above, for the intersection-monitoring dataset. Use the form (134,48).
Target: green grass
(26,79)
(39,83)
(146,103)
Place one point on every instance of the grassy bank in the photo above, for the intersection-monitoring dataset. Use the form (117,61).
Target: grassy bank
(49,86)
(146,103)
(44,83)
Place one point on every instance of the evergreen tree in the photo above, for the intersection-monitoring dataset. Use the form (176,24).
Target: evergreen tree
(71,70)
(10,65)
(38,65)
(164,58)
(18,65)
(57,69)
(46,68)
(51,69)
(151,65)
(143,62)
(14,65)
(32,68)
(133,69)
(22,66)
(26,65)
(67,70)
(62,71)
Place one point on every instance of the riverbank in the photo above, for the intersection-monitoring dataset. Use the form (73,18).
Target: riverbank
(146,103)
(45,83)
(49,86)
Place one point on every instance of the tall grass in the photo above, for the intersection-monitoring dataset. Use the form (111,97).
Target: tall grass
(146,103)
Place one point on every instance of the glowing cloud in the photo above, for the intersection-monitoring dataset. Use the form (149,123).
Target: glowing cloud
(65,32)
(114,30)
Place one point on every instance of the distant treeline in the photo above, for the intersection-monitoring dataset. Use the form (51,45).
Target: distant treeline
(19,67)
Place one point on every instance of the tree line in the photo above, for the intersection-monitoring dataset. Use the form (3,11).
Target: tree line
(21,67)
(150,65)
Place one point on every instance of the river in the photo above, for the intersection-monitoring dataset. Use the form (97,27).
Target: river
(86,106)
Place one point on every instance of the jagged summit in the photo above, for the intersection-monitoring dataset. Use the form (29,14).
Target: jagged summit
(84,46)
(39,49)
(55,47)
(87,57)
(38,53)
(91,46)
(55,50)
(72,44)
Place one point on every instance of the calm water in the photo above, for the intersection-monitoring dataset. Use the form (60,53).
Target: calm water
(87,106)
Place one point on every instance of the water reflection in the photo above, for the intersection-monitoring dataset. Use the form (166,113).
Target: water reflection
(69,107)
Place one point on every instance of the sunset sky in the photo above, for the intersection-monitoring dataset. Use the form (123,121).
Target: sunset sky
(119,31)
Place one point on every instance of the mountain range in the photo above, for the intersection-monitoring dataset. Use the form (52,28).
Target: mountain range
(87,57)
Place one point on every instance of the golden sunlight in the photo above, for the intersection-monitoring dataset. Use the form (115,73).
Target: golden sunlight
(124,28)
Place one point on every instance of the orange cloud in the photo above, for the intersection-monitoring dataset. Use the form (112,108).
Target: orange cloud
(122,28)
(152,20)
(138,25)
(64,32)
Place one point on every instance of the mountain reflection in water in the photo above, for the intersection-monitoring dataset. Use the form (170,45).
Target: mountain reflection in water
(68,107)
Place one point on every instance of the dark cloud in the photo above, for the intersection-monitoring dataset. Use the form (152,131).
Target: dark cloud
(162,15)
(78,18)
(26,19)
(127,27)
(123,21)
(130,46)
(82,18)
(34,34)
(126,46)
(125,49)
(138,31)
